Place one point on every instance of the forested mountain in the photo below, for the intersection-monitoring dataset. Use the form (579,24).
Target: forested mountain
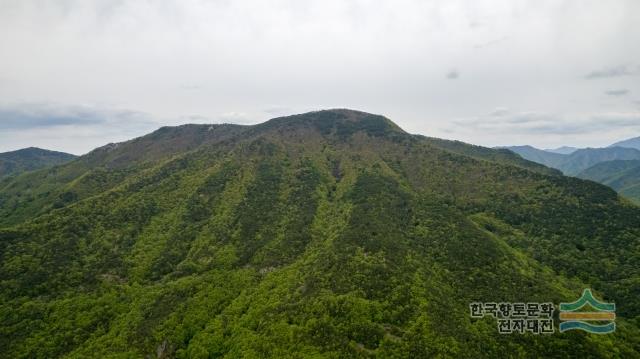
(29,159)
(577,161)
(327,234)
(623,176)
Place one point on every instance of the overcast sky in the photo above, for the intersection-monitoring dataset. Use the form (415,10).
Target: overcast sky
(75,75)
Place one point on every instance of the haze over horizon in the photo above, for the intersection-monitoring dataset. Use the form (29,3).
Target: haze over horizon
(492,73)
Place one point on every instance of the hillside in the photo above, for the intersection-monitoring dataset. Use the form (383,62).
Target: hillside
(327,234)
(29,159)
(38,192)
(623,176)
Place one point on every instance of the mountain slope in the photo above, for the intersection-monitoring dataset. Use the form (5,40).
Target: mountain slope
(29,159)
(623,176)
(101,169)
(630,143)
(327,234)
(500,155)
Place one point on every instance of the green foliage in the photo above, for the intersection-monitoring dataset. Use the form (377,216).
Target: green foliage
(623,176)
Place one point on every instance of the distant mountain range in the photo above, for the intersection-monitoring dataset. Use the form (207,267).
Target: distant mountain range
(617,166)
(564,150)
(29,159)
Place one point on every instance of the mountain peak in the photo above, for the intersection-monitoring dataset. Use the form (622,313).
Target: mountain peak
(29,159)
(34,151)
(28,150)
(347,114)
(340,122)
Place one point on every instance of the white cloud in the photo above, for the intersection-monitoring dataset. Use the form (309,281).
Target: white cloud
(174,59)
(532,127)
(499,112)
(453,74)
(614,71)
(76,129)
(620,92)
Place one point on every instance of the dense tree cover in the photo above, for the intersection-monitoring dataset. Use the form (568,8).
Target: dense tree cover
(621,175)
(330,234)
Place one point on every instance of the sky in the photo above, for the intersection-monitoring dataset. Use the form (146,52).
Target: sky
(77,74)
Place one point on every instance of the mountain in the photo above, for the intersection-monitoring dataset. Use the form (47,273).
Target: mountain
(587,157)
(327,234)
(564,150)
(577,161)
(630,143)
(604,165)
(622,176)
(29,159)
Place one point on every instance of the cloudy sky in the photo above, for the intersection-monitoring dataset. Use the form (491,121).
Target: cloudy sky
(75,75)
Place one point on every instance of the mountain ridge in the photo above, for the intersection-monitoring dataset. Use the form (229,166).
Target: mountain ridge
(564,150)
(629,143)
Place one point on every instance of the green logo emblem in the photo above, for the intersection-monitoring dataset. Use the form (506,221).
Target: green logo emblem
(572,318)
